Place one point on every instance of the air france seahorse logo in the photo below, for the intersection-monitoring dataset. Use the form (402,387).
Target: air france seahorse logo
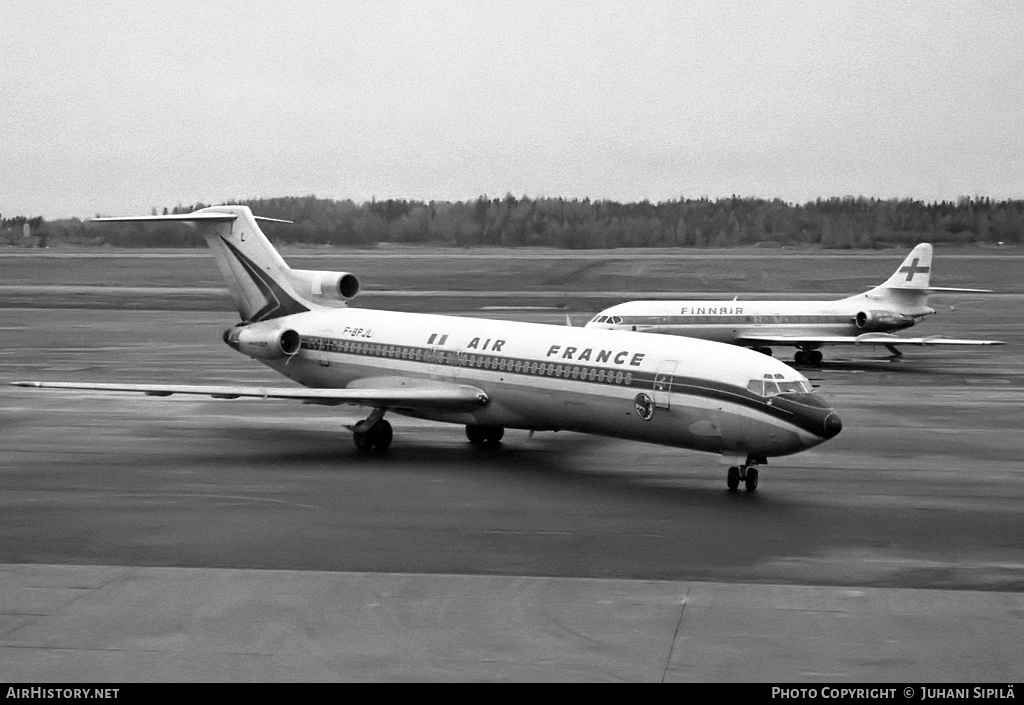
(644,406)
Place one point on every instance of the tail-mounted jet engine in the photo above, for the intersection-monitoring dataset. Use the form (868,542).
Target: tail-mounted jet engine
(882,321)
(263,342)
(324,287)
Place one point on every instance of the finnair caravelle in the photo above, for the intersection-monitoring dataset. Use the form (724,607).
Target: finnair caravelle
(491,375)
(865,319)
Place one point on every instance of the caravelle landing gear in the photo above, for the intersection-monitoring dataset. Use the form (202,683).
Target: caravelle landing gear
(484,435)
(807,357)
(745,473)
(373,432)
(763,350)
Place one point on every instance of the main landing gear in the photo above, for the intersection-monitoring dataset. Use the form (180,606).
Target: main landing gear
(372,433)
(746,473)
(484,435)
(807,357)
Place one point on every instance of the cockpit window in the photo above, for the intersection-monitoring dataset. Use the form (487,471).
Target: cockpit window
(774,384)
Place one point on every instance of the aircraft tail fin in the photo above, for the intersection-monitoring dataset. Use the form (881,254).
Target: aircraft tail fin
(915,271)
(910,284)
(261,283)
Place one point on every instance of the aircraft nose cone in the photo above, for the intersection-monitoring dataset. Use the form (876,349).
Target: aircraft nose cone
(833,425)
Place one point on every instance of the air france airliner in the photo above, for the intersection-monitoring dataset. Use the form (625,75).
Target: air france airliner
(870,318)
(491,375)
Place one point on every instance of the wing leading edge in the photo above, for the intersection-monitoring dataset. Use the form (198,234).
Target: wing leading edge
(440,395)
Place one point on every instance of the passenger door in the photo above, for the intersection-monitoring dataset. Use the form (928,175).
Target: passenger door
(663,383)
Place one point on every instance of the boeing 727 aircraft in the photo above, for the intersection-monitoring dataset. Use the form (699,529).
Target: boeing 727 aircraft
(490,375)
(865,319)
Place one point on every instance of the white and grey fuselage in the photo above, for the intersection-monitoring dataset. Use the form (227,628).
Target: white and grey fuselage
(743,322)
(870,318)
(677,392)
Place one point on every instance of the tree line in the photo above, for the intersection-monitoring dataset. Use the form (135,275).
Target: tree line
(585,224)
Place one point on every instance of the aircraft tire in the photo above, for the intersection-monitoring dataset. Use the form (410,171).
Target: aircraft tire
(751,479)
(477,435)
(376,437)
(363,440)
(383,434)
(800,358)
(484,435)
(733,479)
(816,357)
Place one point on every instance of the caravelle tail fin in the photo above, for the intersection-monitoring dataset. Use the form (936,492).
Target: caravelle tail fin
(916,270)
(261,283)
(910,284)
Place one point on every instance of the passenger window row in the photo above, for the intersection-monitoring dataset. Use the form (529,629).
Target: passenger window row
(480,362)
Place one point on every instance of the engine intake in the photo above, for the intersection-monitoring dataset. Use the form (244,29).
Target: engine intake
(325,287)
(262,342)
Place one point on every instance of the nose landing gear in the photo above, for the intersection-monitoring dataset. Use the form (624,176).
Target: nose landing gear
(746,473)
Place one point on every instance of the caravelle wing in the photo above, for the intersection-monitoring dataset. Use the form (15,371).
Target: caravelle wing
(390,394)
(954,289)
(864,339)
(882,338)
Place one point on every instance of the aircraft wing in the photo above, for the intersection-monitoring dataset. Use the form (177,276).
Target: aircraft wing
(865,339)
(391,393)
(952,289)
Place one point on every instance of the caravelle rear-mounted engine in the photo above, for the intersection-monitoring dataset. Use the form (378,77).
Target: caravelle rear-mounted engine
(324,287)
(263,342)
(882,321)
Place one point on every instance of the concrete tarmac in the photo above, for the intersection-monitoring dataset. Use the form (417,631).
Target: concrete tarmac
(199,540)
(124,625)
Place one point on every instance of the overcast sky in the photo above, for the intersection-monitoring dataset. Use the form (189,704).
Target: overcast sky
(117,107)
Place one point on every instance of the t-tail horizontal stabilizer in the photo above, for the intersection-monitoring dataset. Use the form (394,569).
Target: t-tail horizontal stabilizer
(196,217)
(261,283)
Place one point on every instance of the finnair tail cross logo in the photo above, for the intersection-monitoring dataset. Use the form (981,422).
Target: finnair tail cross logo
(913,270)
